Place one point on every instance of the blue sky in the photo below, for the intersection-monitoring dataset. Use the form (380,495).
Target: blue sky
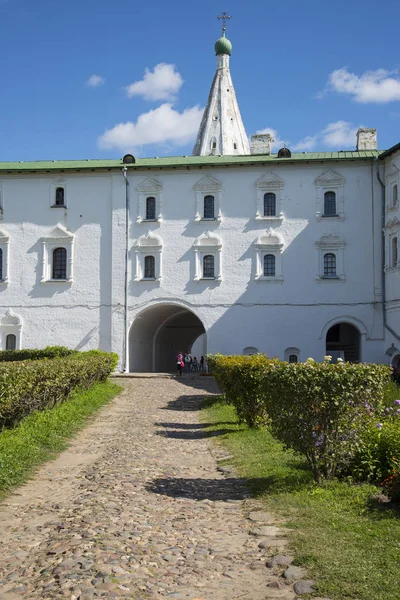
(311,71)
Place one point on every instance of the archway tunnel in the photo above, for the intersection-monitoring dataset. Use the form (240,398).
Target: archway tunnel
(158,333)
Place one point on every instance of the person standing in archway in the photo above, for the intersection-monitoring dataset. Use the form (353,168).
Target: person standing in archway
(179,363)
(188,362)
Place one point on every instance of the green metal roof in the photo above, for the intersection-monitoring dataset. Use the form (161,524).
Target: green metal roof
(176,162)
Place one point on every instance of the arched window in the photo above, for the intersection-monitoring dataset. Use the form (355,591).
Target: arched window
(11,342)
(1,264)
(329,204)
(59,263)
(208,266)
(149,267)
(151,208)
(330,265)
(293,358)
(394,252)
(395,197)
(269,205)
(269,265)
(60,196)
(209,207)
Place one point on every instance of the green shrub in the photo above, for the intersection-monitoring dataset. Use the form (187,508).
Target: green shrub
(379,447)
(241,379)
(34,385)
(35,353)
(322,410)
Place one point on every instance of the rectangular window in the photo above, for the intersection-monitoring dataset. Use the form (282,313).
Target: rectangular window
(60,263)
(269,205)
(150,209)
(60,197)
(208,266)
(269,265)
(330,265)
(149,267)
(394,252)
(209,207)
(329,204)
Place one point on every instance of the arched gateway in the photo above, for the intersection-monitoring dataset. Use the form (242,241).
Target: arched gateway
(157,333)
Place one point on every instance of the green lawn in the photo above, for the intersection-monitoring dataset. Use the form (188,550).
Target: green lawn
(349,542)
(42,435)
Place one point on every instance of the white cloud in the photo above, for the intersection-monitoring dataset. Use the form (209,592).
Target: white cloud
(370,87)
(340,134)
(159,126)
(95,81)
(160,84)
(278,142)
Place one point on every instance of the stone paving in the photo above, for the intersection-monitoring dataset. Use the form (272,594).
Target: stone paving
(136,508)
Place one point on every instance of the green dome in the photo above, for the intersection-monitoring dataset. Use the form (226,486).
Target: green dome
(223,46)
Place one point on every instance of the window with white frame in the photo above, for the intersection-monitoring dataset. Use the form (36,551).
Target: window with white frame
(330,204)
(149,198)
(148,254)
(330,258)
(292,355)
(269,190)
(58,193)
(59,263)
(209,205)
(330,264)
(207,257)
(57,256)
(149,267)
(268,266)
(150,208)
(394,252)
(392,190)
(269,204)
(11,341)
(330,195)
(4,244)
(391,231)
(10,331)
(208,193)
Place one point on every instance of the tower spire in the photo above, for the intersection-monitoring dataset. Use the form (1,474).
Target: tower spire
(221,129)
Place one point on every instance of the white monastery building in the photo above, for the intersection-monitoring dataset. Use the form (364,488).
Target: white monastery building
(230,250)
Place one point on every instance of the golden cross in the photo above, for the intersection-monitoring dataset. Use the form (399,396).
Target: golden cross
(225,17)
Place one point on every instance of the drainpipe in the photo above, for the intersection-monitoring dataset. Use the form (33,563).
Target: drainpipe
(125,341)
(383,254)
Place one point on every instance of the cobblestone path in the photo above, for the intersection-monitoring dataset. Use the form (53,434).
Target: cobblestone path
(136,508)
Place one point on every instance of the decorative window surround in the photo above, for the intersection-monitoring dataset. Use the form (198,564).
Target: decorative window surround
(58,183)
(4,245)
(208,186)
(269,183)
(148,245)
(149,187)
(331,244)
(391,230)
(330,181)
(392,178)
(58,238)
(269,243)
(292,351)
(206,244)
(10,323)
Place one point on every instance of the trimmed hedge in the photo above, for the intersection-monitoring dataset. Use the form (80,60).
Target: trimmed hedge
(241,379)
(35,354)
(35,385)
(319,409)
